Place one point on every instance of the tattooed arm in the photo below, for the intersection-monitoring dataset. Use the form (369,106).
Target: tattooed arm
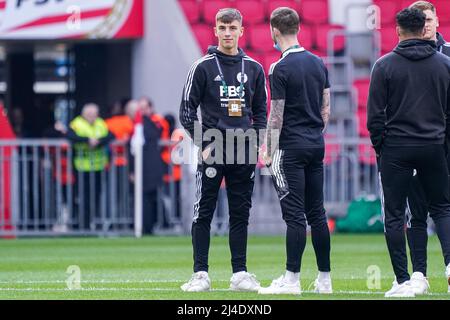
(326,108)
(274,126)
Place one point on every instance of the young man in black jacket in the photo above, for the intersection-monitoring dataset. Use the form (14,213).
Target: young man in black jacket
(408,119)
(230,89)
(416,206)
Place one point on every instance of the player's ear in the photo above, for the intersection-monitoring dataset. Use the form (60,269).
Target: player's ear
(215,31)
(437,21)
(276,32)
(398,30)
(242,32)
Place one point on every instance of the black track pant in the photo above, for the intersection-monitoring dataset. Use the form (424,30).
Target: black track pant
(417,215)
(89,189)
(239,180)
(298,178)
(397,166)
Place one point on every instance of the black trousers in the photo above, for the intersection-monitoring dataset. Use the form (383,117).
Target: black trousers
(397,166)
(417,216)
(239,179)
(298,179)
(149,211)
(88,190)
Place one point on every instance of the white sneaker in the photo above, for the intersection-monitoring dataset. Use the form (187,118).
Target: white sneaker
(323,286)
(403,290)
(447,273)
(419,283)
(199,282)
(280,286)
(244,281)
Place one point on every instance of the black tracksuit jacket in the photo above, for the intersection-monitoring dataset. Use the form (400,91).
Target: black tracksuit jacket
(204,88)
(409,96)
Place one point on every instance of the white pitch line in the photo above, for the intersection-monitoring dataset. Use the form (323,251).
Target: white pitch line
(341,292)
(94,281)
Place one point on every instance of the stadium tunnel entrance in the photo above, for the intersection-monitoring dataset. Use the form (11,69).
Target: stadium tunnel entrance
(41,83)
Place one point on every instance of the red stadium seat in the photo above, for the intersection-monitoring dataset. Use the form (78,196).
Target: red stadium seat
(191,10)
(306,37)
(314,11)
(318,53)
(405,4)
(442,10)
(211,7)
(260,38)
(273,4)
(388,11)
(205,36)
(367,155)
(389,39)
(255,56)
(362,86)
(332,150)
(444,29)
(243,41)
(252,11)
(322,33)
(269,58)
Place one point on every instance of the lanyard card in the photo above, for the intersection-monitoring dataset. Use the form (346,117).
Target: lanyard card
(234,108)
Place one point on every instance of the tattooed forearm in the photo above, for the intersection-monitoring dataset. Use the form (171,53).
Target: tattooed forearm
(274,125)
(326,108)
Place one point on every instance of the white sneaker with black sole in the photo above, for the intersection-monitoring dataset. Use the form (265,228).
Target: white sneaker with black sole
(403,290)
(244,281)
(419,283)
(323,286)
(199,283)
(281,286)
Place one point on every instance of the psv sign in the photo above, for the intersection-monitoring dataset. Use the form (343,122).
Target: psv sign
(71,19)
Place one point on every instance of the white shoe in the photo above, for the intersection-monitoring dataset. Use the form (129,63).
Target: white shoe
(244,281)
(447,273)
(323,286)
(199,282)
(419,283)
(403,290)
(281,286)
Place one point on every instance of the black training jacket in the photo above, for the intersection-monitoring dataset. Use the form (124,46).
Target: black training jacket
(204,88)
(409,96)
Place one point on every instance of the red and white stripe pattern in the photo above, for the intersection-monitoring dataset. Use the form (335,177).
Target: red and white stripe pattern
(53,20)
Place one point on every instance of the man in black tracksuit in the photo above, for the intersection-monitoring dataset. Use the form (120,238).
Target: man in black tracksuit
(408,114)
(417,208)
(230,89)
(300,96)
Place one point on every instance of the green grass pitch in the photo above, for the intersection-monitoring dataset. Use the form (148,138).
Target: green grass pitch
(154,268)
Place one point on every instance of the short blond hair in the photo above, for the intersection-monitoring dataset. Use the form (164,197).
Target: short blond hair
(423,5)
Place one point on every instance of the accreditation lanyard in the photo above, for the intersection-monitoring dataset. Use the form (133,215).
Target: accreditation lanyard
(224,84)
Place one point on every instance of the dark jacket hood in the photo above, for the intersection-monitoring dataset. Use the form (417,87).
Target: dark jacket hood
(416,49)
(225,57)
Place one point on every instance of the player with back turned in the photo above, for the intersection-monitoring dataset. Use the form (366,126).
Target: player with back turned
(409,121)
(300,108)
